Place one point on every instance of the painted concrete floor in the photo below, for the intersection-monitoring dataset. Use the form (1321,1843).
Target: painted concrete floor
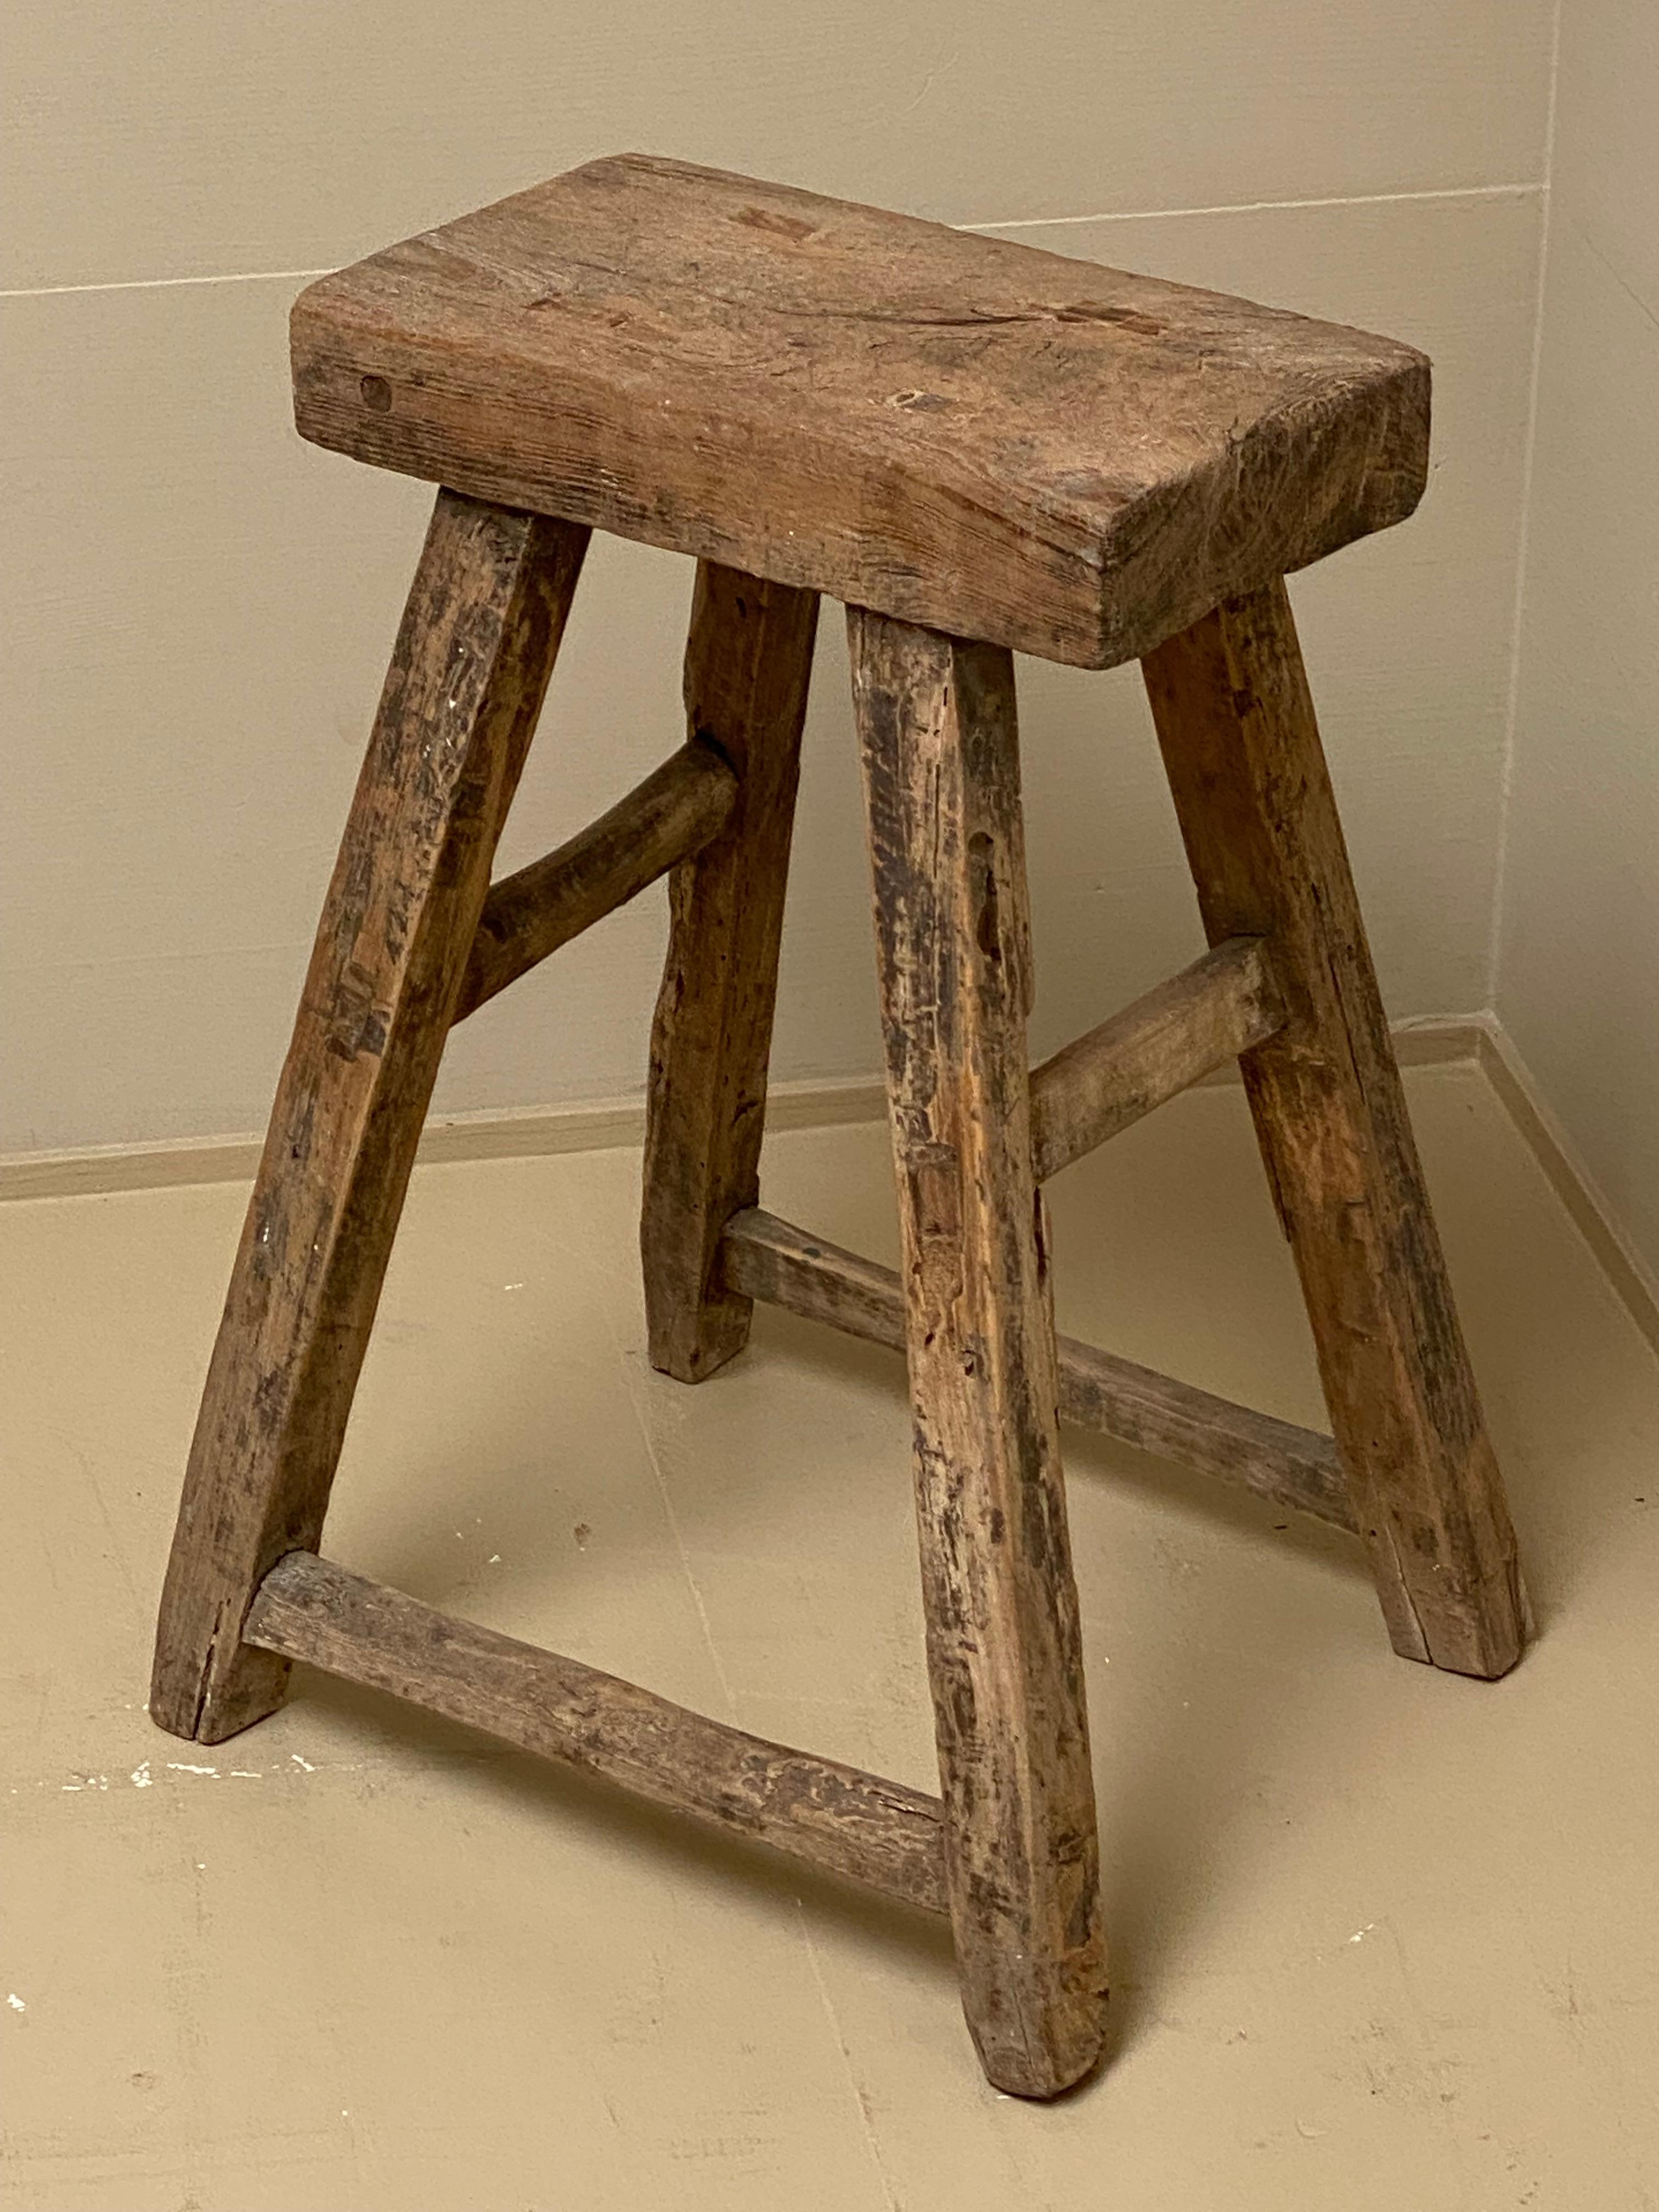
(1382,1939)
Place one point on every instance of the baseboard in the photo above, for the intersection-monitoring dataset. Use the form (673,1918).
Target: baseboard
(523,1132)
(1568,1174)
(1437,1040)
(496,1132)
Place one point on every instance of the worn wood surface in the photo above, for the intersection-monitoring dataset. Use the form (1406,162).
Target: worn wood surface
(1236,725)
(772,1260)
(961,431)
(663,820)
(747,662)
(1170,1036)
(468,671)
(940,762)
(835,1817)
(1274,1460)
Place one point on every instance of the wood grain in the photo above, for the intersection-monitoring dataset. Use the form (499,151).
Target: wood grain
(771,1260)
(1236,723)
(1172,1036)
(1274,1460)
(471,662)
(747,663)
(673,814)
(960,431)
(835,1817)
(939,754)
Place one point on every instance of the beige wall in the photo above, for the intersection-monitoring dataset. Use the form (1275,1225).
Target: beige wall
(198,608)
(1579,936)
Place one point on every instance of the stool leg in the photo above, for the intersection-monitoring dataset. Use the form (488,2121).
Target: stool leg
(941,772)
(471,662)
(1236,723)
(747,663)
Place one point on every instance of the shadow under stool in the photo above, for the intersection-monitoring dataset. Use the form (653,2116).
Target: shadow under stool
(982,449)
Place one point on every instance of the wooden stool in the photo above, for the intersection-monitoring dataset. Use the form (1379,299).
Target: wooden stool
(982,449)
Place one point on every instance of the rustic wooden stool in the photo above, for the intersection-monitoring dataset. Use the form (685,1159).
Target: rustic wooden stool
(982,449)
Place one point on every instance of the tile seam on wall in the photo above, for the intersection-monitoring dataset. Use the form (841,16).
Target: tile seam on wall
(1010,223)
(1512,706)
(1604,261)
(1261,206)
(163,283)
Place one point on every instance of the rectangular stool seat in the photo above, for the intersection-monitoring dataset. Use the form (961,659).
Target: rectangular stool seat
(960,431)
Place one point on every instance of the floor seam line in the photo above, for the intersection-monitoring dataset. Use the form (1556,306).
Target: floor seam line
(870,2139)
(648,1445)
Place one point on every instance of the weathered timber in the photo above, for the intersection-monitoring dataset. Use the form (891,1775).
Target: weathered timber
(1273,1459)
(1236,723)
(673,814)
(835,1817)
(1174,1035)
(772,1260)
(962,430)
(747,662)
(940,762)
(471,662)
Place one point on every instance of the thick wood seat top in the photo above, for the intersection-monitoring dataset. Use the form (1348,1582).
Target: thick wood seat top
(958,430)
